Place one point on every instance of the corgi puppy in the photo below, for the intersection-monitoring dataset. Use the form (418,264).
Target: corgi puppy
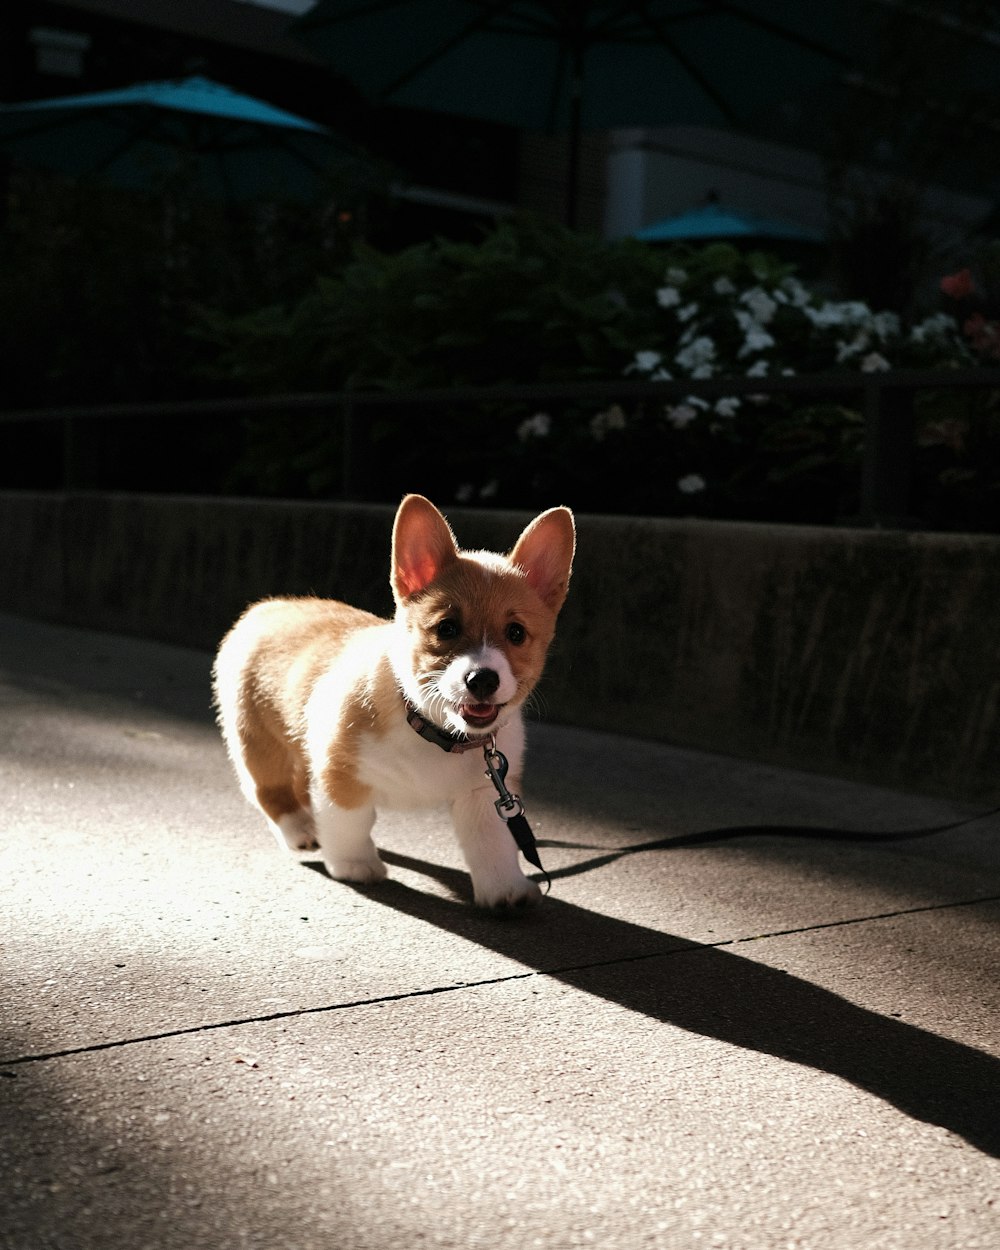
(330,713)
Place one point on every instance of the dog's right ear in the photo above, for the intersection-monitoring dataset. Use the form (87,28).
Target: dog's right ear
(422,546)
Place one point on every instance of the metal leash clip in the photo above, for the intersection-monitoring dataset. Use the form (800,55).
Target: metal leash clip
(508,805)
(510,808)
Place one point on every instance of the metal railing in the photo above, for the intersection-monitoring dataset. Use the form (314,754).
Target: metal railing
(886,400)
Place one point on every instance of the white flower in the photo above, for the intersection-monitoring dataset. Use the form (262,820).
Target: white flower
(886,325)
(538,426)
(668,297)
(874,363)
(645,362)
(831,313)
(846,349)
(676,276)
(612,418)
(761,305)
(827,314)
(691,484)
(793,291)
(687,312)
(728,406)
(856,310)
(723,286)
(758,369)
(939,326)
(757,340)
(681,415)
(697,357)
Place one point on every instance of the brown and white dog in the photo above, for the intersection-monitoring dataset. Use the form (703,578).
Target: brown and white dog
(329,712)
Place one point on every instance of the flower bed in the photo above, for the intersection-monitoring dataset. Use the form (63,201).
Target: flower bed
(534,302)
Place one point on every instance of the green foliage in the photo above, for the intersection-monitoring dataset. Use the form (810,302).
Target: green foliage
(531,302)
(105,296)
(534,302)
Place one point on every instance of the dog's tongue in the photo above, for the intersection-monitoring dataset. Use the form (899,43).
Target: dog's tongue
(480,713)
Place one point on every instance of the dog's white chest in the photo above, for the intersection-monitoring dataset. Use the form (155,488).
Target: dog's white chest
(405,771)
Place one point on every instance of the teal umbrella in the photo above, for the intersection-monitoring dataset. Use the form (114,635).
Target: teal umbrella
(577,64)
(225,143)
(711,221)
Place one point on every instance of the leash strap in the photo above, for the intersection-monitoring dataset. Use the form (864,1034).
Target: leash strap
(510,809)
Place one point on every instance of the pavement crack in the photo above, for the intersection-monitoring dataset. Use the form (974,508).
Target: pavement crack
(677,948)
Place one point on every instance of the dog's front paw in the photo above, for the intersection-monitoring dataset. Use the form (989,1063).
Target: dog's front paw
(360,871)
(298,830)
(506,895)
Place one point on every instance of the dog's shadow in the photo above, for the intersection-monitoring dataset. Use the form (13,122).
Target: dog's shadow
(716,993)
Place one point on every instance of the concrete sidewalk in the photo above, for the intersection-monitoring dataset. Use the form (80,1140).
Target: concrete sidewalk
(750,1042)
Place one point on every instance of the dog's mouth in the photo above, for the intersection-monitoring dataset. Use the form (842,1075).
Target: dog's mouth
(479,715)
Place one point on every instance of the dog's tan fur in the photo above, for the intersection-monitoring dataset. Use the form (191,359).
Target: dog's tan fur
(311,692)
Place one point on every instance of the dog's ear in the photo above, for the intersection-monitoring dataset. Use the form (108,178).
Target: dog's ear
(545,553)
(422,546)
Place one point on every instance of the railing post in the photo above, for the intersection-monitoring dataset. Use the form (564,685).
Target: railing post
(887,456)
(348,475)
(79,456)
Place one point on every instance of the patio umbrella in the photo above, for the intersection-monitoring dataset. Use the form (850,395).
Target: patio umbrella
(711,221)
(228,144)
(576,64)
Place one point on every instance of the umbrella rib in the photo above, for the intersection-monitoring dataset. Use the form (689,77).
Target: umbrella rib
(316,20)
(618,23)
(490,11)
(784,32)
(687,64)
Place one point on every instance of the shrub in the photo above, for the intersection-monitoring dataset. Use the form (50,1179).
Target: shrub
(724,313)
(531,302)
(534,302)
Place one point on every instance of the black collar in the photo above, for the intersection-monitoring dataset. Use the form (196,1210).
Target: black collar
(442,738)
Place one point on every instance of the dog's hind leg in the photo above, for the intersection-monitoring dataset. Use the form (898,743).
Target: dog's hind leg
(275,778)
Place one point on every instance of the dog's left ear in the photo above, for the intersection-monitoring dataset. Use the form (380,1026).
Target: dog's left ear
(545,553)
(422,546)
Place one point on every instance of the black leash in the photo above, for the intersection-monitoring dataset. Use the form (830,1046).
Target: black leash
(787,831)
(511,809)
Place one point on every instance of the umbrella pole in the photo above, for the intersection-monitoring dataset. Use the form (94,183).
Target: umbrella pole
(573,172)
(575,121)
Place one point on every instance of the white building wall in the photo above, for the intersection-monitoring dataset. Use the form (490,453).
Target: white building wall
(653,174)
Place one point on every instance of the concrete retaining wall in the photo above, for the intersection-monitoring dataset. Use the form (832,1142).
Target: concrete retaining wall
(874,655)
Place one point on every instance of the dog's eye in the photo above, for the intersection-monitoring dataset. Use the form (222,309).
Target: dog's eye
(447,629)
(516,633)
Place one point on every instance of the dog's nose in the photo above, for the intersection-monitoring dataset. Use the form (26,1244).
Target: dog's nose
(482,682)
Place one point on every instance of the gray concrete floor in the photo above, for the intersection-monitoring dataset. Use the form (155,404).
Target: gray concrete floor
(750,1042)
